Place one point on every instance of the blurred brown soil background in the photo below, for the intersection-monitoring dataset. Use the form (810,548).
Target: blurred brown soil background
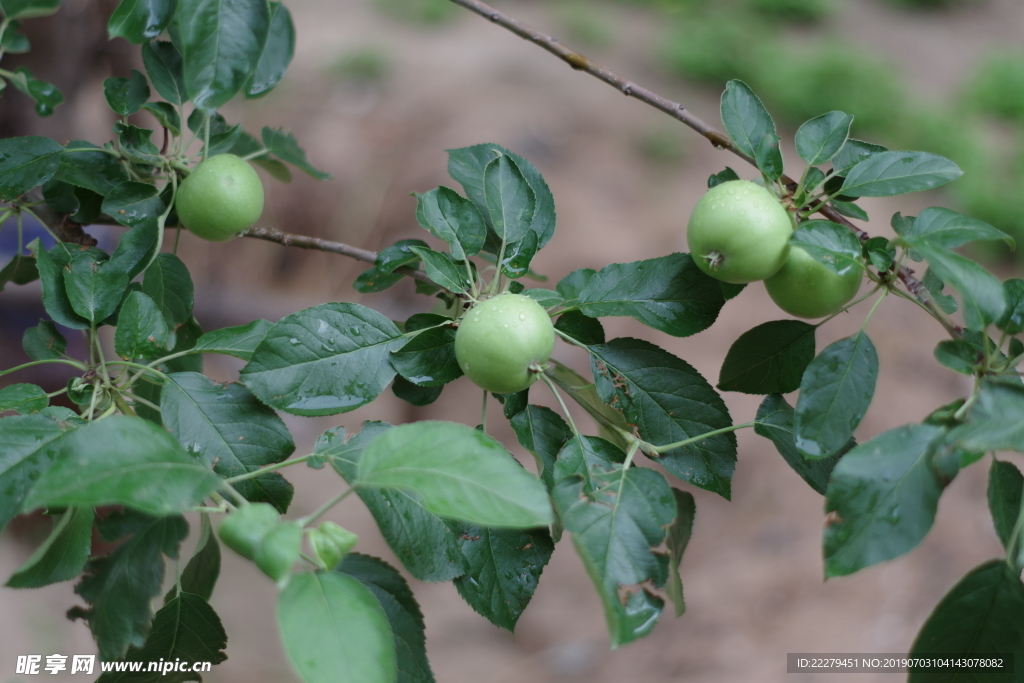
(376,100)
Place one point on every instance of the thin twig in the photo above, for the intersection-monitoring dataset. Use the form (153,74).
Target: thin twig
(679,112)
(315,243)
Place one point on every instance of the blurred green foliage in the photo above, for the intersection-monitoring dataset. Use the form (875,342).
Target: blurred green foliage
(419,11)
(799,11)
(799,79)
(928,4)
(663,146)
(367,64)
(997,87)
(583,25)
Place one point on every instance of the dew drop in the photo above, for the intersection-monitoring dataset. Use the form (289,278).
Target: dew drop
(293,341)
(522,316)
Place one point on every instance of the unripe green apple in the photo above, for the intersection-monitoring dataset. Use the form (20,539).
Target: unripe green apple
(220,198)
(499,339)
(739,232)
(807,289)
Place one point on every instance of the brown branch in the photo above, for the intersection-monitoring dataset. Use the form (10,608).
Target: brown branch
(315,243)
(678,111)
(66,231)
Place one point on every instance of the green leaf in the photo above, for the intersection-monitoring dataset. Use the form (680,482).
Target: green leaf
(578,326)
(397,255)
(509,198)
(426,544)
(63,554)
(26,9)
(166,115)
(185,629)
(403,613)
(835,392)
(1012,320)
(133,204)
(14,43)
(277,53)
(547,298)
(581,455)
(504,568)
(163,64)
(722,177)
(140,20)
(23,398)
(376,280)
(1005,490)
(995,421)
(52,266)
(883,494)
(769,157)
(543,432)
(774,421)
(89,204)
(442,269)
(240,341)
(119,586)
(227,427)
(335,630)
(676,540)
(200,574)
(142,331)
(27,455)
(850,210)
(20,270)
(821,138)
(26,163)
(980,291)
(221,43)
(447,215)
(575,282)
(45,94)
(980,616)
(852,153)
(815,177)
(830,244)
(467,165)
(614,531)
(959,355)
(458,472)
(745,118)
(169,284)
(44,341)
(286,148)
(584,392)
(186,335)
(94,287)
(947,229)
(935,286)
(668,401)
(519,255)
(324,360)
(60,196)
(136,144)
(121,460)
(668,293)
(428,359)
(94,170)
(413,393)
(768,359)
(890,173)
(126,95)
